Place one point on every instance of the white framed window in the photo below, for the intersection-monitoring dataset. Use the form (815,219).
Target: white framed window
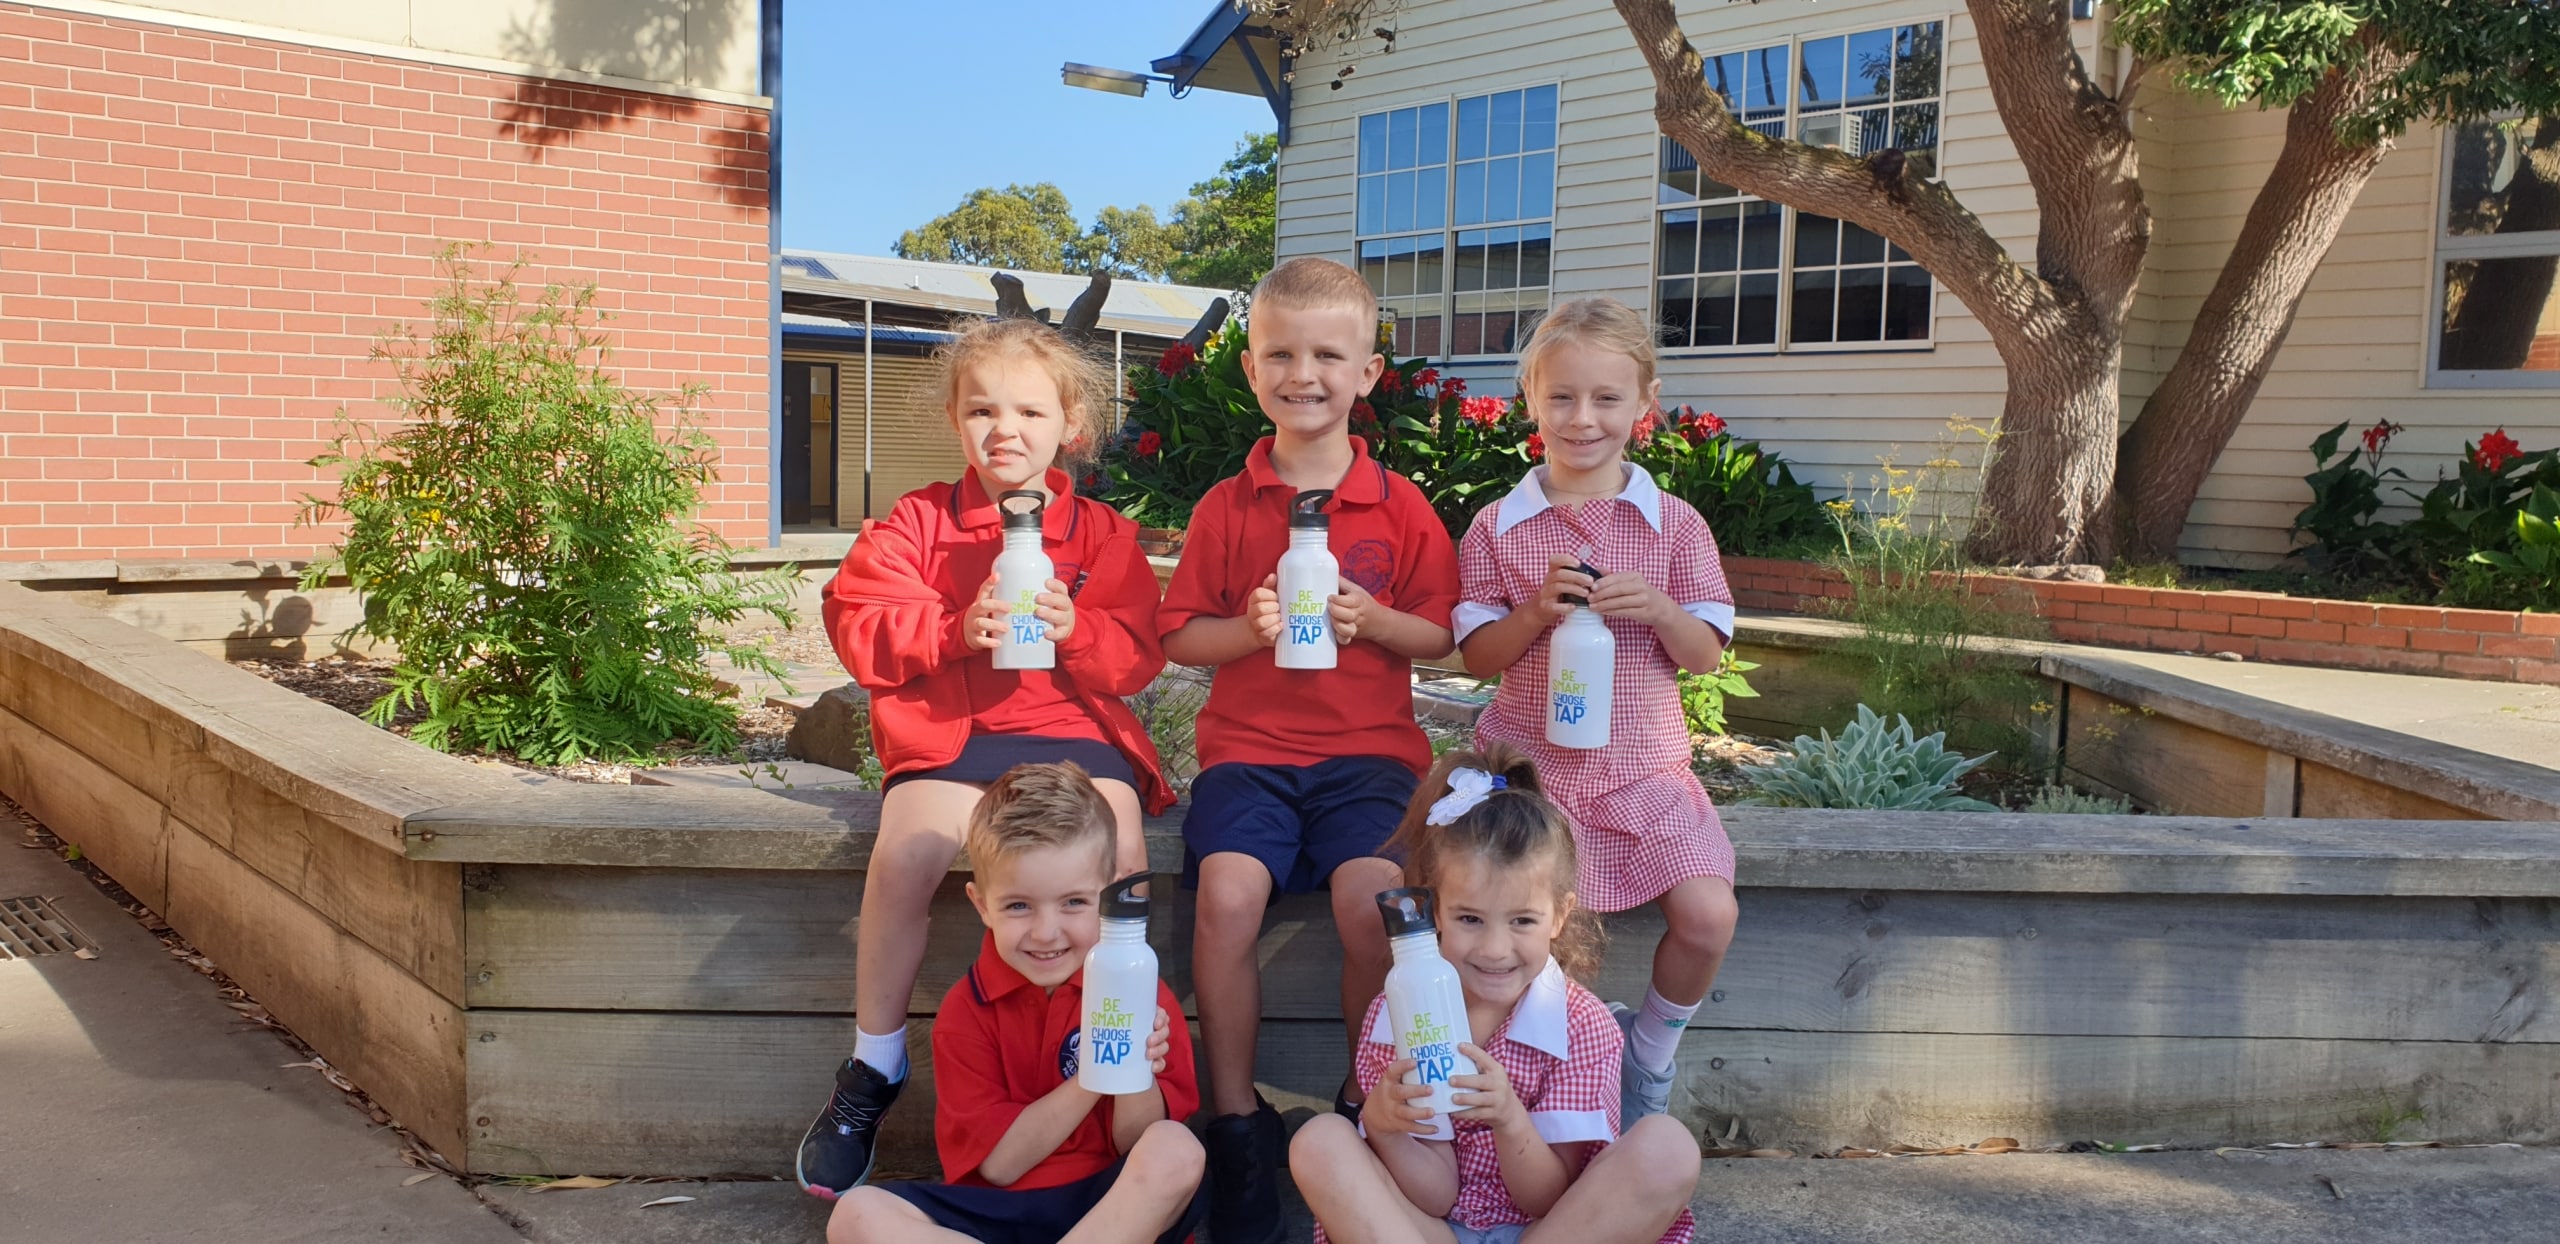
(2494,311)
(1738,273)
(1456,219)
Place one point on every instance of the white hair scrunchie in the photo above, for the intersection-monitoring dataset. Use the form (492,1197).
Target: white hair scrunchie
(1467,788)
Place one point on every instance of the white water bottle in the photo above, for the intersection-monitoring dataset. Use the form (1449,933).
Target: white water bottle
(1426,1006)
(1119,996)
(1022,573)
(1582,675)
(1309,576)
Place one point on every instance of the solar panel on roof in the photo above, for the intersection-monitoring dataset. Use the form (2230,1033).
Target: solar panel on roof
(808,267)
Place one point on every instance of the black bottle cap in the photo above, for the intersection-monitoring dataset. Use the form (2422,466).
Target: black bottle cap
(1120,903)
(1407,910)
(1586,568)
(1308,510)
(1024,518)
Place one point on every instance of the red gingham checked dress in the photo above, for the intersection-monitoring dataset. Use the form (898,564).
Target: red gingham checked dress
(1642,824)
(1560,1048)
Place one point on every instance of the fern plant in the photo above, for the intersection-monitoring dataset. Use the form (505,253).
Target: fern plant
(1871,765)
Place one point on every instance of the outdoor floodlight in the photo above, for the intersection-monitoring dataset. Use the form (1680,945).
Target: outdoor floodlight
(1097,78)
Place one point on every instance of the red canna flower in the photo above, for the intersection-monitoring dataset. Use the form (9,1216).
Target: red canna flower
(1483,411)
(1177,357)
(1453,387)
(1091,481)
(1426,377)
(1363,412)
(1644,429)
(1537,447)
(1390,381)
(1148,443)
(2378,436)
(2496,450)
(1709,421)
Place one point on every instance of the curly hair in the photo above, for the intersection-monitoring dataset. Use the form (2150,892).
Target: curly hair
(1082,382)
(1515,827)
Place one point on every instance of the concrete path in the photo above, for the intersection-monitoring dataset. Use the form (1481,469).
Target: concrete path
(2516,721)
(136,1107)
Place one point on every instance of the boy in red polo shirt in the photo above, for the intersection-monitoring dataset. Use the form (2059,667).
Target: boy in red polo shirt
(1029,1155)
(1305,773)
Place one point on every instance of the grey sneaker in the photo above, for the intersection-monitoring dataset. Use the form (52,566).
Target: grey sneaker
(1642,1091)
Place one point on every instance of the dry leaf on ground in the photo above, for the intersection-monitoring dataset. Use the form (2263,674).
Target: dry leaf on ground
(666,1200)
(419,1178)
(577,1181)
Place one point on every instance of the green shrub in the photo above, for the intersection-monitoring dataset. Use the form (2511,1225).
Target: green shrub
(1702,696)
(1749,496)
(2056,798)
(519,537)
(1871,765)
(2466,546)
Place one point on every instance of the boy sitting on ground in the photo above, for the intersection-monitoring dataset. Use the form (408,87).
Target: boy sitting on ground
(1028,1155)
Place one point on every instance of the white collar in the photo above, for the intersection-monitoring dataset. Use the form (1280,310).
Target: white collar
(1537,1019)
(1525,501)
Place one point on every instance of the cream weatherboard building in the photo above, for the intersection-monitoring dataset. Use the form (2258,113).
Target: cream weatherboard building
(1503,156)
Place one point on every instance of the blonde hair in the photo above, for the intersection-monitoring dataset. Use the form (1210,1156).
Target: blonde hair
(1080,379)
(1041,805)
(1311,282)
(1513,828)
(1600,323)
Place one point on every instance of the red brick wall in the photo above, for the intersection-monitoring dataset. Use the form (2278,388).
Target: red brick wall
(201,236)
(2261,626)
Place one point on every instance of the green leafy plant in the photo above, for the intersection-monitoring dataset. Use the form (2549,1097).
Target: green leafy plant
(2054,798)
(2346,492)
(1749,496)
(519,535)
(1871,765)
(1702,696)
(2531,571)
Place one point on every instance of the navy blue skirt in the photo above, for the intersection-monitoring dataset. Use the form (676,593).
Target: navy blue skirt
(986,757)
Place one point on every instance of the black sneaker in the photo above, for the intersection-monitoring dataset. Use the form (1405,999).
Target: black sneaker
(1244,1177)
(836,1156)
(1342,1103)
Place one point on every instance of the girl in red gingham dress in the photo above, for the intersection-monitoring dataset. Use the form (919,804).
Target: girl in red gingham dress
(1647,832)
(1537,1154)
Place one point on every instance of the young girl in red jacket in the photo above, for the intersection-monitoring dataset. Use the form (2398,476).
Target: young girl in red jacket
(914,617)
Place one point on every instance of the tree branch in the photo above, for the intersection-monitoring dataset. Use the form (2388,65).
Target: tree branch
(2093,228)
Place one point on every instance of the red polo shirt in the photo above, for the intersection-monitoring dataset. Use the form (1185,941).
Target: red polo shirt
(1389,542)
(894,611)
(1000,1044)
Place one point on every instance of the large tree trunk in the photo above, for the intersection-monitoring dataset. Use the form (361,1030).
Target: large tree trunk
(2050,481)
(2188,420)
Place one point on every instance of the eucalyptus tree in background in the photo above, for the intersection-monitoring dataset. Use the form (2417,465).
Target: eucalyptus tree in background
(2355,76)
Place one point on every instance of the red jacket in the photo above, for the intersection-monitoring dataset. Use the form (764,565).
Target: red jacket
(894,609)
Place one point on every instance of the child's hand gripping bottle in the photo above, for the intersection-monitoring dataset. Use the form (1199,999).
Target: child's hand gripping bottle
(1119,996)
(1426,1006)
(1582,673)
(1022,573)
(1309,576)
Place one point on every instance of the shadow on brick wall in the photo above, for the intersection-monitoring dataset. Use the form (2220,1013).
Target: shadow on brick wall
(656,40)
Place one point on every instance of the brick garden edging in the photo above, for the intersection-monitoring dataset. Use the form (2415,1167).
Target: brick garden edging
(2488,644)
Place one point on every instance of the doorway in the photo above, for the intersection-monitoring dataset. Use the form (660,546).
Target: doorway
(809,445)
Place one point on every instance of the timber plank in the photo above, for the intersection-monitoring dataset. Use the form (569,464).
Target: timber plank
(2164,763)
(390,1033)
(2327,792)
(118,828)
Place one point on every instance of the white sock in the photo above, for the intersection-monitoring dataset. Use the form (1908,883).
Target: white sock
(1655,1036)
(887,1052)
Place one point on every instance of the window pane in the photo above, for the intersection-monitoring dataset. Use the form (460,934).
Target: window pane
(1400,268)
(1470,269)
(1864,132)
(1760,236)
(1426,333)
(1502,261)
(1715,311)
(1679,174)
(1818,85)
(1724,77)
(1400,138)
(2506,177)
(1915,130)
(1906,304)
(1373,142)
(1373,265)
(1537,185)
(1470,205)
(1471,124)
(1859,246)
(1469,335)
(1499,328)
(1719,237)
(1755,320)
(2501,315)
(1399,201)
(1373,204)
(1672,312)
(1535,246)
(1809,312)
(1533,308)
(1820,130)
(1432,134)
(1502,188)
(1679,243)
(1870,67)
(1430,198)
(1538,119)
(1505,138)
(1862,305)
(1765,84)
(1916,61)
(1428,251)
(1817,240)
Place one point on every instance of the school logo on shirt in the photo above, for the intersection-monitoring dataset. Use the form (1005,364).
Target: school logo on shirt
(1067,1053)
(1371,564)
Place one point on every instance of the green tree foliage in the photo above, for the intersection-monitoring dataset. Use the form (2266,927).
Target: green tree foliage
(521,536)
(1224,233)
(1027,228)
(1125,242)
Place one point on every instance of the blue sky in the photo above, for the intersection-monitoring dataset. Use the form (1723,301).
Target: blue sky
(893,111)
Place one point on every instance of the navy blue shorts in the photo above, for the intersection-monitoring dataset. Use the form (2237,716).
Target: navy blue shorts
(1301,821)
(986,757)
(1037,1216)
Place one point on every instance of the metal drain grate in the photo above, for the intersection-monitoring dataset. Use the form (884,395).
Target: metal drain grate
(30,927)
